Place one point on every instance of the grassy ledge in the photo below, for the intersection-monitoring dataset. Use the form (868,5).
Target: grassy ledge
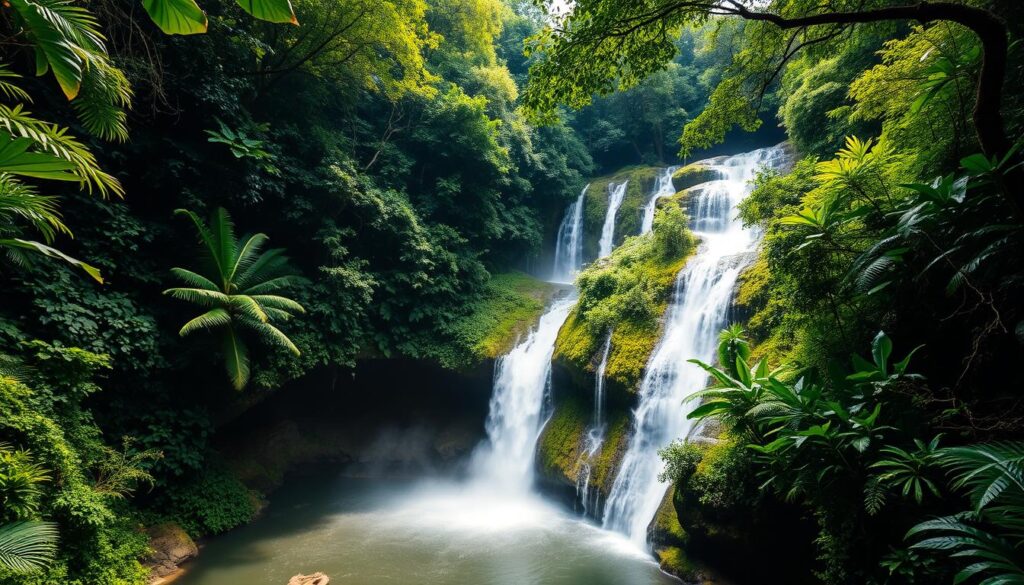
(510,306)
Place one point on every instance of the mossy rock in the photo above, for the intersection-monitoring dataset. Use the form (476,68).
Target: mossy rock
(692,175)
(578,345)
(560,449)
(561,443)
(630,215)
(665,529)
(674,561)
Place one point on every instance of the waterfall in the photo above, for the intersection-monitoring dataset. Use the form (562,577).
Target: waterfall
(521,380)
(615,195)
(663,187)
(698,311)
(569,241)
(595,437)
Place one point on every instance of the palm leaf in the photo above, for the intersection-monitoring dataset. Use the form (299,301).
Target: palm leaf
(278,302)
(27,546)
(248,254)
(236,359)
(205,298)
(209,320)
(208,238)
(195,280)
(52,253)
(248,307)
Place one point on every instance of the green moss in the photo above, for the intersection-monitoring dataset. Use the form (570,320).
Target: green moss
(560,445)
(606,462)
(692,175)
(509,307)
(674,561)
(666,528)
(626,294)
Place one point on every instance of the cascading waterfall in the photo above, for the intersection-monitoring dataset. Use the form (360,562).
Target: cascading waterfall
(521,379)
(663,187)
(615,194)
(569,242)
(698,311)
(595,438)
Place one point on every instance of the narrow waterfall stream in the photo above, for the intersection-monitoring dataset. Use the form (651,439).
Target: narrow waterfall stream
(699,308)
(595,438)
(615,194)
(569,242)
(663,187)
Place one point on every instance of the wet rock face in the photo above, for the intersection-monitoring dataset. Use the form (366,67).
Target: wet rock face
(314,579)
(171,547)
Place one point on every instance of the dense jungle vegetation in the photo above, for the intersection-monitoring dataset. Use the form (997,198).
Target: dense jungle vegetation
(200,203)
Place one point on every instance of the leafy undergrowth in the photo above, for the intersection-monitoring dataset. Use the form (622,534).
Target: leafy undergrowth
(508,308)
(626,294)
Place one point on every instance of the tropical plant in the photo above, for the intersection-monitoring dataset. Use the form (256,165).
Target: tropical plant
(907,470)
(27,546)
(20,477)
(185,17)
(988,539)
(237,287)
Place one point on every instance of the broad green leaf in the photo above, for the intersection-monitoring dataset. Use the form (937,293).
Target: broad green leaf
(279,11)
(16,160)
(881,349)
(177,17)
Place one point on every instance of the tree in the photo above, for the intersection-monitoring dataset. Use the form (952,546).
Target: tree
(606,43)
(237,288)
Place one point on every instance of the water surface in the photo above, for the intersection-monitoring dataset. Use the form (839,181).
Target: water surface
(376,532)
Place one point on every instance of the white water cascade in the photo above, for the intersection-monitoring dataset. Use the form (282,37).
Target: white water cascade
(663,187)
(615,194)
(595,438)
(698,311)
(569,242)
(521,378)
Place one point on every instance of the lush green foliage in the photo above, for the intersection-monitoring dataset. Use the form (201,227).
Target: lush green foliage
(239,290)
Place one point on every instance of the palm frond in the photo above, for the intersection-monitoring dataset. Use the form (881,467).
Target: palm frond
(236,359)
(278,302)
(223,230)
(18,200)
(205,298)
(248,307)
(273,284)
(248,254)
(209,320)
(51,252)
(195,280)
(27,546)
(8,89)
(57,141)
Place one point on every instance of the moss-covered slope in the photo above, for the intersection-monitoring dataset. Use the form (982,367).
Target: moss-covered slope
(510,306)
(626,294)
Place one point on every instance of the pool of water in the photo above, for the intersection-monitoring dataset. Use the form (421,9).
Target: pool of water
(377,532)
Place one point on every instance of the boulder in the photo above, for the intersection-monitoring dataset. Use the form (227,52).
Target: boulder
(314,579)
(171,546)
